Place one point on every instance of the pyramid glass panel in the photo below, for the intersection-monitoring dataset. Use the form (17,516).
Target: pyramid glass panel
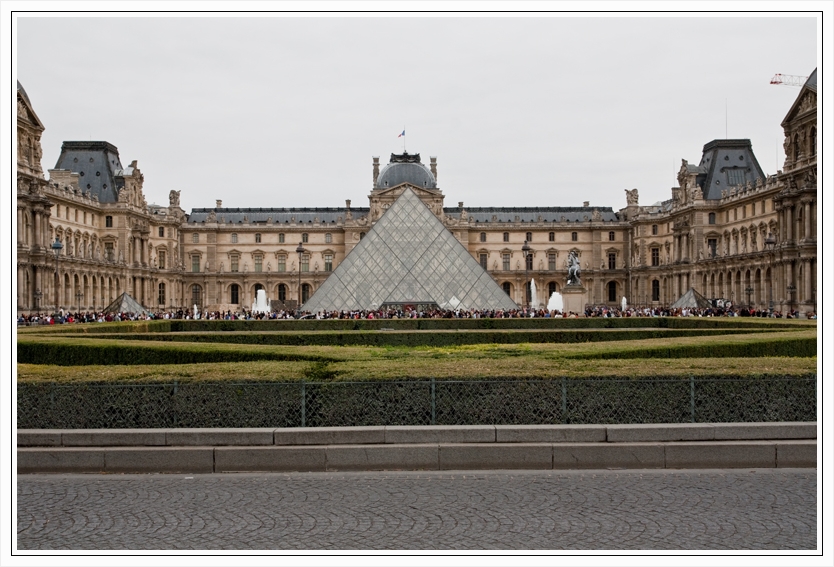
(408,256)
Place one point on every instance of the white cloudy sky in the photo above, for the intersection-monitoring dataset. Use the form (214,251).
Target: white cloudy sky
(520,111)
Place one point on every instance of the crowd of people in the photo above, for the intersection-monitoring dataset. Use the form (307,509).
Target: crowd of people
(62,317)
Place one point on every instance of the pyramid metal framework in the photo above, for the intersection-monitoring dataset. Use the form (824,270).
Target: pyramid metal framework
(125,304)
(409,258)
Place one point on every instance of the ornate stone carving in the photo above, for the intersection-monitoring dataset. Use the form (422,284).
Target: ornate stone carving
(632,196)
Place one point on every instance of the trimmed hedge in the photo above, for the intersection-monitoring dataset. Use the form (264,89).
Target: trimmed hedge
(436,339)
(180,325)
(65,353)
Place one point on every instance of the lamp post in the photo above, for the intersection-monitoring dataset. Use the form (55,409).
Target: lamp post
(526,250)
(300,251)
(56,249)
(749,291)
(791,290)
(770,243)
(38,294)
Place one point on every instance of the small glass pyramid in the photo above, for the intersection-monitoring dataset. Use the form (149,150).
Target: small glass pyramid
(409,258)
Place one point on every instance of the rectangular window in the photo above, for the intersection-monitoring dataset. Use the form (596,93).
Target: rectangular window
(281,238)
(505,261)
(551,236)
(574,236)
(259,263)
(328,262)
(735,177)
(161,260)
(305,238)
(551,261)
(612,261)
(506,237)
(611,235)
(195,238)
(654,229)
(711,218)
(282,263)
(161,298)
(257,237)
(753,209)
(655,256)
(108,221)
(235,260)
(305,262)
(109,251)
(328,238)
(162,232)
(195,263)
(529,237)
(482,257)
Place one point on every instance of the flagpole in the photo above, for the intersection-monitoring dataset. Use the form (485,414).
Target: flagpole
(403,138)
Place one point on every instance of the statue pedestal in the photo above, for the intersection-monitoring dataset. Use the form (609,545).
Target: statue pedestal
(573,297)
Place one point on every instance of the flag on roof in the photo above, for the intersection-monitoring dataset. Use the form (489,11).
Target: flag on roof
(401,135)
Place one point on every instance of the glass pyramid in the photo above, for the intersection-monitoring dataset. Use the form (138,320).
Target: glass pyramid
(409,258)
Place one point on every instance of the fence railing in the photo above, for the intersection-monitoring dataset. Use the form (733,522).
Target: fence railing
(416,402)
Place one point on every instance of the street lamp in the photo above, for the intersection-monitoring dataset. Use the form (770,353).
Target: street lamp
(770,243)
(749,291)
(791,290)
(526,250)
(300,251)
(56,249)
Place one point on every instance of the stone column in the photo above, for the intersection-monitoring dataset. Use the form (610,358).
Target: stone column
(789,223)
(808,231)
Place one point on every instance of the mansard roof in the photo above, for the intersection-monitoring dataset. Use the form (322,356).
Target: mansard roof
(99,167)
(260,215)
(725,164)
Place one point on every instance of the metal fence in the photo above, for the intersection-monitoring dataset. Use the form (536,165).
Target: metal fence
(416,402)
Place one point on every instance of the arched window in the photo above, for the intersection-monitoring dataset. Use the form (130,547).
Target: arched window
(655,290)
(282,292)
(483,237)
(612,291)
(234,294)
(361,235)
(234,238)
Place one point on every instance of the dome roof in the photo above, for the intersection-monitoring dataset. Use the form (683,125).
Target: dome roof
(405,168)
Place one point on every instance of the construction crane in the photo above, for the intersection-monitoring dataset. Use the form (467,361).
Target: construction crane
(788,80)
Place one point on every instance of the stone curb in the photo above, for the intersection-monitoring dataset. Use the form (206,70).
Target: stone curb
(415,434)
(420,456)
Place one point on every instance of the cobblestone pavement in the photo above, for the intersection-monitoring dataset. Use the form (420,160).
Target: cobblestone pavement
(738,509)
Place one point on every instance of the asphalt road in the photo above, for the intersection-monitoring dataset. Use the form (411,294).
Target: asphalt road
(772,509)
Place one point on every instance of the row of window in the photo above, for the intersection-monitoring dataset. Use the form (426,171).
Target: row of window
(80,216)
(551,261)
(259,263)
(305,238)
(551,236)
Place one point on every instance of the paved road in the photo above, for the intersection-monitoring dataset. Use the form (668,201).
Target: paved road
(761,509)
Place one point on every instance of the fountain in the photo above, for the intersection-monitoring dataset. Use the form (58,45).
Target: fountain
(261,304)
(555,302)
(624,303)
(195,312)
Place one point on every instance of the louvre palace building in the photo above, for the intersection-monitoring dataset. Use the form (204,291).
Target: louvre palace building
(730,231)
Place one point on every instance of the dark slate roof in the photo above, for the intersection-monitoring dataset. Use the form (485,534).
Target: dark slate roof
(22,92)
(278,215)
(404,168)
(811,83)
(98,165)
(532,214)
(724,163)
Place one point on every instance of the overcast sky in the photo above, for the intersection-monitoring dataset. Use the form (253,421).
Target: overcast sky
(523,111)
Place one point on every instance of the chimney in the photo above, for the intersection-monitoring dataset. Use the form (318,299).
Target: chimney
(376,170)
(460,204)
(218,204)
(347,204)
(433,161)
(586,204)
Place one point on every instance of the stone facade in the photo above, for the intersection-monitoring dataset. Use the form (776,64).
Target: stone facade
(712,235)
